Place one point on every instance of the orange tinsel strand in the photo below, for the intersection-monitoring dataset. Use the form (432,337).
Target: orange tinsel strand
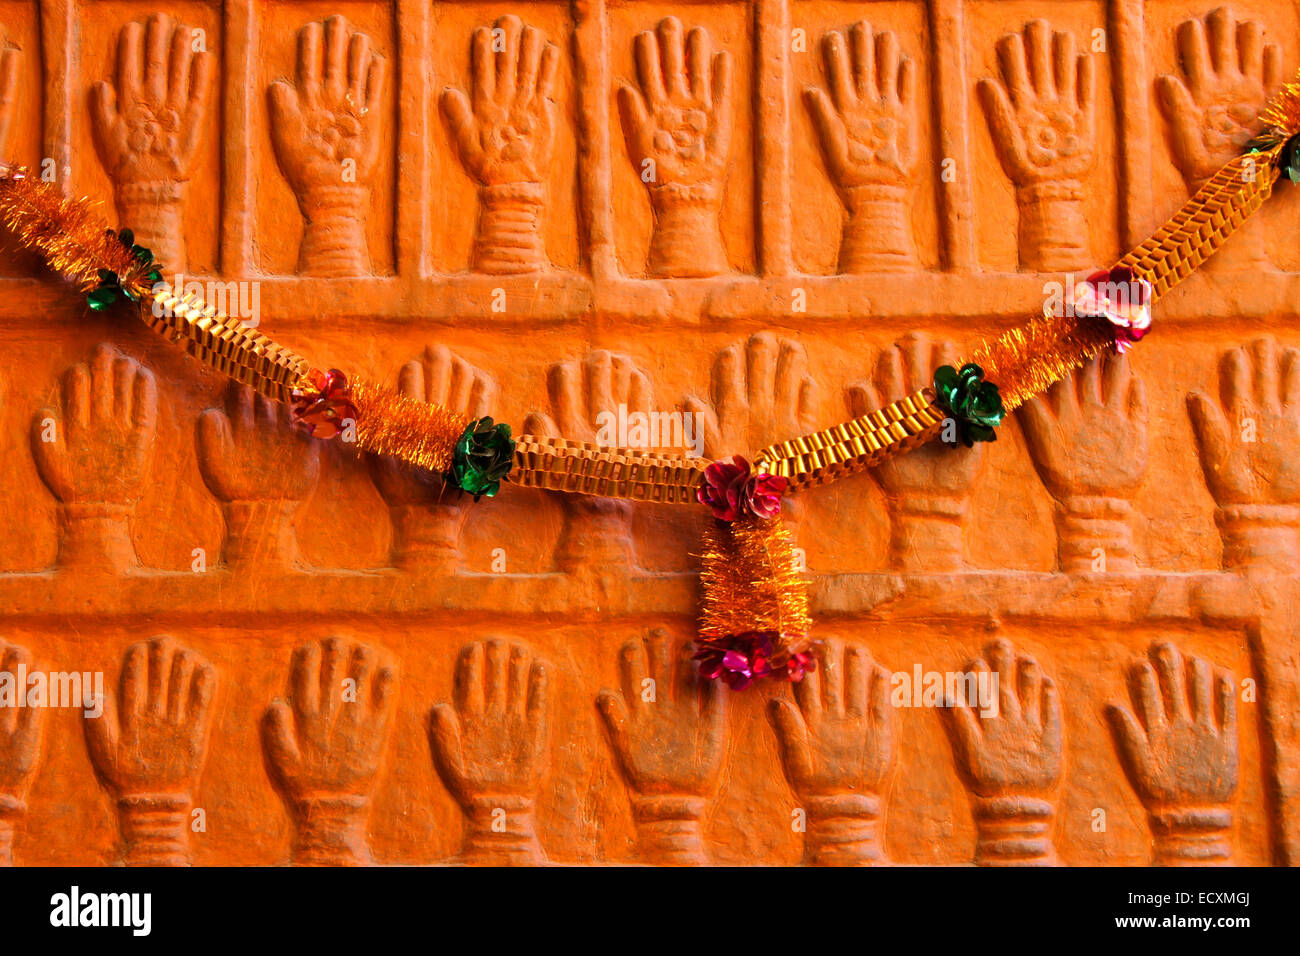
(70,233)
(389,423)
(1024,361)
(750,581)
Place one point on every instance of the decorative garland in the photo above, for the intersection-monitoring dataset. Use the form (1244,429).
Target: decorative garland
(754,618)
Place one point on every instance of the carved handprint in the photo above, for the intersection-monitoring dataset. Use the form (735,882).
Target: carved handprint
(505,135)
(20,748)
(1043,113)
(327,128)
(837,749)
(103,432)
(261,467)
(1228,72)
(1246,441)
(761,393)
(1180,753)
(1088,439)
(1008,749)
(439,377)
(148,124)
(149,744)
(928,489)
(491,748)
(94,454)
(678,131)
(428,515)
(325,745)
(1043,117)
(11,62)
(583,395)
(867,131)
(1259,394)
(667,728)
(250,450)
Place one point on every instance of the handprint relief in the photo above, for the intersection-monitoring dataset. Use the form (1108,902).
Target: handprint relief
(667,728)
(11,62)
(1087,436)
(1180,753)
(1246,436)
(261,467)
(677,123)
(326,128)
(324,747)
(428,515)
(149,122)
(867,130)
(148,746)
(504,133)
(1227,72)
(928,490)
(760,393)
(1009,753)
(20,749)
(94,452)
(491,747)
(1042,114)
(597,534)
(837,750)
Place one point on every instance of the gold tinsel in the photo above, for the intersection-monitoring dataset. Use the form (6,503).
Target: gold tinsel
(749,581)
(1282,115)
(1025,360)
(389,423)
(70,233)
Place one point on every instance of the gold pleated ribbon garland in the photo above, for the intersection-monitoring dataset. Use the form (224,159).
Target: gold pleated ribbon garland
(754,594)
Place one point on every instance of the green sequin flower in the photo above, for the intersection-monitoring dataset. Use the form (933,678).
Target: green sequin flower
(112,287)
(973,402)
(1290,159)
(482,457)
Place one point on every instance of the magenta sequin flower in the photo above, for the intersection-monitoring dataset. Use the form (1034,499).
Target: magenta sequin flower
(732,490)
(740,659)
(1121,298)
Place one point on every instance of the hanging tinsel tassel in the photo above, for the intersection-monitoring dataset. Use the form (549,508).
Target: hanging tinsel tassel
(754,619)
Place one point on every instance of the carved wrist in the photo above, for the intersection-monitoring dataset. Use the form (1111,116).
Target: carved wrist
(877,236)
(687,237)
(669,830)
(96,534)
(155,829)
(1053,227)
(596,534)
(509,239)
(427,535)
(926,531)
(331,831)
(501,830)
(11,809)
(1014,831)
(260,532)
(1192,836)
(843,830)
(1094,533)
(1261,536)
(334,233)
(155,213)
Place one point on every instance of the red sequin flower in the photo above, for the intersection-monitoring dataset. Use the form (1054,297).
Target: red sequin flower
(1121,298)
(733,490)
(324,408)
(740,659)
